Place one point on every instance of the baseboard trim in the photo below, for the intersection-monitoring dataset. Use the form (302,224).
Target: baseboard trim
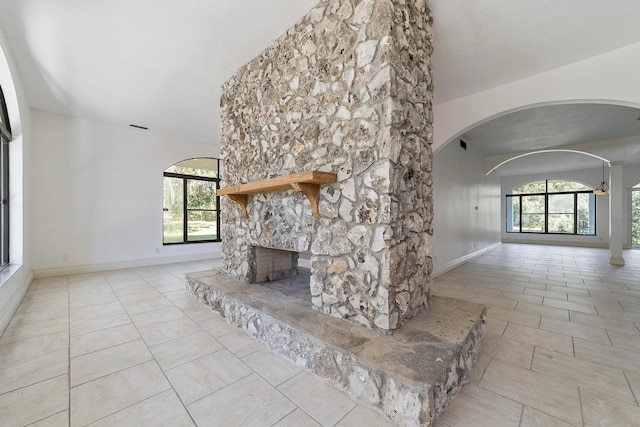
(94,268)
(438,271)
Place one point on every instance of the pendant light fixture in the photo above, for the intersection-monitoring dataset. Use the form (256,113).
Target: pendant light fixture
(603,188)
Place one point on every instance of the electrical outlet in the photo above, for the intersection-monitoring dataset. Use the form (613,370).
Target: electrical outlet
(65,257)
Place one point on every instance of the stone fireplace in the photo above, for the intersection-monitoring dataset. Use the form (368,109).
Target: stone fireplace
(346,90)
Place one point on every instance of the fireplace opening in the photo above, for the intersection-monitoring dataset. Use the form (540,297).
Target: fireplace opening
(275,264)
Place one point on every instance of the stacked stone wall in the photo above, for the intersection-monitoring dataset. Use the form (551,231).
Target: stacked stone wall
(346,90)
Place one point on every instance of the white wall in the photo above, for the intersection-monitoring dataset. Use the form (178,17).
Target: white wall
(15,280)
(97,195)
(460,185)
(590,177)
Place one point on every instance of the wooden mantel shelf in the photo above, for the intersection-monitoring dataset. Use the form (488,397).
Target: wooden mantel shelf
(307,183)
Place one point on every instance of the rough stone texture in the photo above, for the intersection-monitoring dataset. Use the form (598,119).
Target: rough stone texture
(346,90)
(409,375)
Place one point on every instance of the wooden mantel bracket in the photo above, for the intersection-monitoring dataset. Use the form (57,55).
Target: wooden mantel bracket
(307,183)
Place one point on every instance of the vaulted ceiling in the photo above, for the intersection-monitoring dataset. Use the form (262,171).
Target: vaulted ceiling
(160,63)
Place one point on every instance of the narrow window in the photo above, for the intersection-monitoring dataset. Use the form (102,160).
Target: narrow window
(191,208)
(635,217)
(5,138)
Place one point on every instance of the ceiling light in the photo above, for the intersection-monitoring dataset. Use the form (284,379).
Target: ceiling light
(603,188)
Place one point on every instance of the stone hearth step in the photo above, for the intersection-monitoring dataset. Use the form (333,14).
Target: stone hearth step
(409,375)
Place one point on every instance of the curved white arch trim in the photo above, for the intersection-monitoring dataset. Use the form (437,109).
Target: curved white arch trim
(548,151)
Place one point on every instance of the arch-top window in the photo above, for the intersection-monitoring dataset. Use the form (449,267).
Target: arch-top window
(191,208)
(552,207)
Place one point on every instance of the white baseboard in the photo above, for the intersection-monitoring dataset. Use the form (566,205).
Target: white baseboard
(438,271)
(94,268)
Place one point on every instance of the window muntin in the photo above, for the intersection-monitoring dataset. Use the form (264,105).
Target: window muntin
(551,207)
(191,209)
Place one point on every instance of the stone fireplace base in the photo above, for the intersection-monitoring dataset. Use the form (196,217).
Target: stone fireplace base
(409,375)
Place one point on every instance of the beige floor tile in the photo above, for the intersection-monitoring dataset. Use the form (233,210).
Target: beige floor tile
(104,338)
(36,346)
(603,322)
(455,293)
(583,373)
(560,296)
(541,392)
(87,298)
(104,396)
(200,314)
(131,299)
(272,367)
(539,338)
(568,305)
(240,343)
(32,330)
(495,326)
(599,410)
(151,318)
(633,376)
(617,313)
(201,377)
(232,407)
(518,296)
(605,355)
(626,341)
(147,305)
(61,419)
(495,302)
(84,326)
(324,403)
(164,409)
(33,369)
(104,362)
(361,416)
(139,287)
(40,301)
(96,310)
(525,319)
(50,313)
(35,402)
(297,418)
(169,330)
(575,330)
(535,418)
(543,311)
(217,327)
(476,406)
(186,302)
(182,350)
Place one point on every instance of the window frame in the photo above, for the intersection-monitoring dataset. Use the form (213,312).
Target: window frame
(5,139)
(546,195)
(185,209)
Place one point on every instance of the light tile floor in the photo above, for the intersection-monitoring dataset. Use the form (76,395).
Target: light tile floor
(130,347)
(563,338)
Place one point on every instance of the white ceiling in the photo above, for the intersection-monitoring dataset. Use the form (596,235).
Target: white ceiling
(160,63)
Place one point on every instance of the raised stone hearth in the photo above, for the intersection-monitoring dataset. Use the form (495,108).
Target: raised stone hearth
(409,375)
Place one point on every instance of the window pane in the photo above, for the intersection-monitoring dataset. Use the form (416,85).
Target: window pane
(561,216)
(532,187)
(513,214)
(202,166)
(201,207)
(202,225)
(635,218)
(559,186)
(173,216)
(532,214)
(587,213)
